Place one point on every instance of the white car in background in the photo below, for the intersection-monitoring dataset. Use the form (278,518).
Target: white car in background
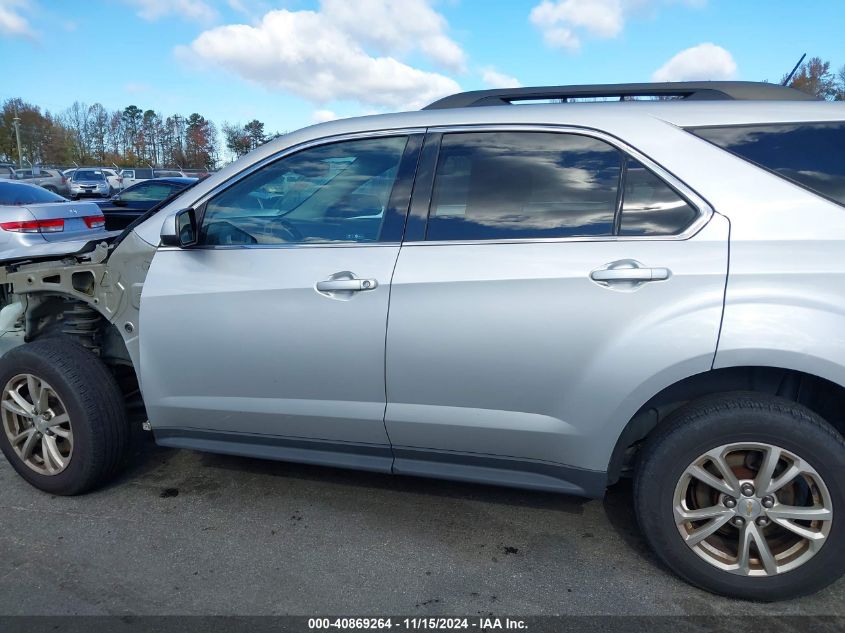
(133,175)
(113,177)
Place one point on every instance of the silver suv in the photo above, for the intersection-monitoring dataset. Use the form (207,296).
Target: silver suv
(545,296)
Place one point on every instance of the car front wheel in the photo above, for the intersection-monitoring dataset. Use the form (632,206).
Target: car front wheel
(742,494)
(63,418)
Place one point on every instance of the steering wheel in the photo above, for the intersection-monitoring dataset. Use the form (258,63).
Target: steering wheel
(295,234)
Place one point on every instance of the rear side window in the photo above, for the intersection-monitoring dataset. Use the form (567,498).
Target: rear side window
(532,185)
(650,206)
(809,154)
(504,185)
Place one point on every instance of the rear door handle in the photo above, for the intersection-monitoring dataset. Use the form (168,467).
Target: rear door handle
(348,285)
(610,275)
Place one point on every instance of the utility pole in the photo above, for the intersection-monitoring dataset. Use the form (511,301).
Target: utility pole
(17,123)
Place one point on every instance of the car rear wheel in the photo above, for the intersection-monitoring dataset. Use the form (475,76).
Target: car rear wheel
(63,419)
(742,494)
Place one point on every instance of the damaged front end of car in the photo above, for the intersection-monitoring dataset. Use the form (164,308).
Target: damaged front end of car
(91,296)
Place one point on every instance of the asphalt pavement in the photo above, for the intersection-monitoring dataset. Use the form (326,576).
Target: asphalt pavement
(191,533)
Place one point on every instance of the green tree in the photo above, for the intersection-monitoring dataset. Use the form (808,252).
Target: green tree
(814,77)
(200,142)
(235,139)
(254,131)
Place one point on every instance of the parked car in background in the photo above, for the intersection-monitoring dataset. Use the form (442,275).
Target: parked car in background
(7,171)
(88,183)
(132,175)
(196,173)
(31,215)
(51,179)
(123,208)
(114,179)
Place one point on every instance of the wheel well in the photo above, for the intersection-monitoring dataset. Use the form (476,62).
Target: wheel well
(823,397)
(57,315)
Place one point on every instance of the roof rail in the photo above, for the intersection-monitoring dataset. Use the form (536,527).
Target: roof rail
(686,90)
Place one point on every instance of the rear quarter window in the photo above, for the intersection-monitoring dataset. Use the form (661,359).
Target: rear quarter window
(811,155)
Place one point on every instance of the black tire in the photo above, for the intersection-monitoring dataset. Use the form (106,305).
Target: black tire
(95,407)
(739,417)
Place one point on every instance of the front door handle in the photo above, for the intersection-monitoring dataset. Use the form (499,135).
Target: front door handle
(344,285)
(610,275)
(348,285)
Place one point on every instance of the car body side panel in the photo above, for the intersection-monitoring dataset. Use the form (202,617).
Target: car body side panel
(512,350)
(239,341)
(785,299)
(785,303)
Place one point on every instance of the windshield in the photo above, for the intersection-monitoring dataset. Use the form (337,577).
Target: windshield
(17,194)
(88,174)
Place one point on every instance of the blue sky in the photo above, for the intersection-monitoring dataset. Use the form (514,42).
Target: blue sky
(293,62)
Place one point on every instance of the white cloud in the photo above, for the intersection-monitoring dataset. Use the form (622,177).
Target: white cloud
(312,55)
(198,10)
(321,116)
(12,22)
(564,23)
(397,27)
(494,79)
(705,61)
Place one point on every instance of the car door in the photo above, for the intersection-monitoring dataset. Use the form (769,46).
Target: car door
(548,280)
(270,333)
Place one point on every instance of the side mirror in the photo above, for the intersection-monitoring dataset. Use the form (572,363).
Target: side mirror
(180,229)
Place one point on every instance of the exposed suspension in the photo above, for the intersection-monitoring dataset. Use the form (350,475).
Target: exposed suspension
(82,323)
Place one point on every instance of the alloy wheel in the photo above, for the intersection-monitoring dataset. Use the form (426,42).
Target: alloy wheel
(752,509)
(37,424)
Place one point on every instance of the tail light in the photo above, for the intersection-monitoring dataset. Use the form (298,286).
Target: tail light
(34,226)
(95,221)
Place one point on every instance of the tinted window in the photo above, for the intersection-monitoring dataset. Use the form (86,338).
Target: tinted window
(501,185)
(17,193)
(810,154)
(650,206)
(332,193)
(147,192)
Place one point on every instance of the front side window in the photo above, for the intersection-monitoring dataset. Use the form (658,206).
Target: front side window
(332,193)
(505,185)
(809,154)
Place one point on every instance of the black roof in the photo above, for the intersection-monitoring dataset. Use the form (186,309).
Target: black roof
(686,90)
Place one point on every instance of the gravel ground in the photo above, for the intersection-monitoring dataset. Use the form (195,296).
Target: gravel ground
(191,533)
